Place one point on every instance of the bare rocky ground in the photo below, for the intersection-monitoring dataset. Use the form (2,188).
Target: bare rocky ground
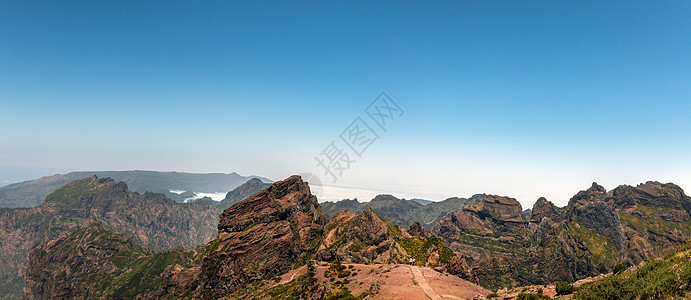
(398,281)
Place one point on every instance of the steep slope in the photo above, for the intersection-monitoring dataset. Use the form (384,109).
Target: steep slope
(150,219)
(32,193)
(403,212)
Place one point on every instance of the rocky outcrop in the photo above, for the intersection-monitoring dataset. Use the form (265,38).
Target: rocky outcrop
(595,231)
(589,208)
(263,236)
(502,209)
(650,193)
(595,193)
(417,230)
(362,238)
(545,209)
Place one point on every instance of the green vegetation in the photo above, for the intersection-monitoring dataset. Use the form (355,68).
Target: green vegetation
(492,295)
(599,245)
(336,269)
(418,248)
(144,274)
(395,229)
(618,268)
(306,285)
(665,278)
(530,296)
(651,222)
(564,288)
(341,294)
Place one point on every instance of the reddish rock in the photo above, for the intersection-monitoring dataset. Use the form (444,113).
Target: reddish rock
(263,236)
(499,208)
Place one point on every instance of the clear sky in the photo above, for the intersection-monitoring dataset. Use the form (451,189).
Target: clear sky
(516,98)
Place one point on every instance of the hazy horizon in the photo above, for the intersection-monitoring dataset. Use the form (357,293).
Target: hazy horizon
(335,193)
(521,99)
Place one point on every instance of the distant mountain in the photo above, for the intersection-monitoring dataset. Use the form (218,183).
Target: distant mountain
(150,219)
(32,193)
(404,212)
(422,201)
(247,189)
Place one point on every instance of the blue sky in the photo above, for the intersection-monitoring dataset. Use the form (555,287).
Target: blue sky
(524,99)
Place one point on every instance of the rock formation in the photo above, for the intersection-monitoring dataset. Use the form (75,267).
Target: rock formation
(263,236)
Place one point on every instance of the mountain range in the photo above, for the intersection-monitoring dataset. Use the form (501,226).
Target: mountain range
(149,219)
(264,241)
(32,193)
(279,229)
(404,212)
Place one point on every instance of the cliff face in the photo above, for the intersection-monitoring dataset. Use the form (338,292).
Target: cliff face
(263,236)
(502,209)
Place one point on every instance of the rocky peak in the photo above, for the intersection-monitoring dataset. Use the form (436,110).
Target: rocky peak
(370,228)
(596,188)
(503,209)
(365,237)
(651,193)
(281,200)
(545,209)
(74,190)
(384,197)
(263,236)
(595,193)
(417,230)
